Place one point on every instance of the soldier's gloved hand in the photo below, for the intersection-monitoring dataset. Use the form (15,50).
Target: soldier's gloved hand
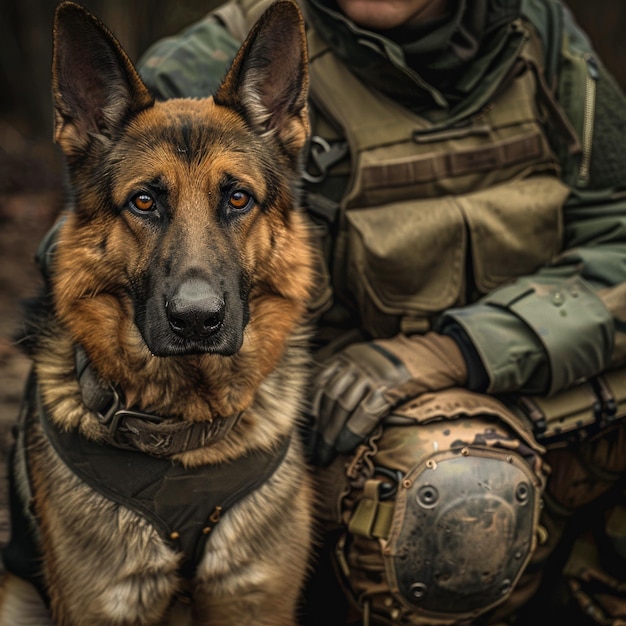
(357,387)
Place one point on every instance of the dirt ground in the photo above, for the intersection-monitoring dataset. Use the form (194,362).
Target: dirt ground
(30,198)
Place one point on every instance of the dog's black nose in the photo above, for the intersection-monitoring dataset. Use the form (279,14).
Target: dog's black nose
(195,310)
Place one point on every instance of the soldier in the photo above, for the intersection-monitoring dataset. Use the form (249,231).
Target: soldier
(466,182)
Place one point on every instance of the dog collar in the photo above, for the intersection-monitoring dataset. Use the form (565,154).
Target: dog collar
(131,429)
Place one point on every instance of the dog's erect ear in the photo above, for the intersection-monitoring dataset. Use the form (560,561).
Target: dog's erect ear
(268,80)
(94,83)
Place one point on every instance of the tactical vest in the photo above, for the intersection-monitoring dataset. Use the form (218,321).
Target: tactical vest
(435,213)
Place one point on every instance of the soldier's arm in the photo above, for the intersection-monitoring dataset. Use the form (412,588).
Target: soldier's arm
(191,63)
(545,332)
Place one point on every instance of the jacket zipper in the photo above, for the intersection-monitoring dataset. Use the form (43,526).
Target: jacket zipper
(588,118)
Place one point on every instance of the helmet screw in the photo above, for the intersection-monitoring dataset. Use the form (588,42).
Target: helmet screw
(418,590)
(521,492)
(427,496)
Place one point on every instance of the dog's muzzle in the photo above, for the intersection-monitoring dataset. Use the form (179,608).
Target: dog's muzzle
(196,310)
(194,315)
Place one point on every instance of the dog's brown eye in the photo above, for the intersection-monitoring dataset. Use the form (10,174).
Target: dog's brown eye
(239,200)
(143,202)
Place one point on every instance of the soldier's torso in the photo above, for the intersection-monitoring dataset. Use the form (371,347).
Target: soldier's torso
(433,213)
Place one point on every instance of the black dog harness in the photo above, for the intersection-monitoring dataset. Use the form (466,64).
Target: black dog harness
(182,504)
(132,468)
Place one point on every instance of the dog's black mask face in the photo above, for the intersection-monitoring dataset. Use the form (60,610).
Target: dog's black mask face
(188,197)
(196,311)
(194,227)
(191,294)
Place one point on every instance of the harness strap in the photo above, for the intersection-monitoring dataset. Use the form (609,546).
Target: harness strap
(21,556)
(183,504)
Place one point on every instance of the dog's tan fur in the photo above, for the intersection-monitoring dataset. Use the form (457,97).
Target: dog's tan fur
(104,564)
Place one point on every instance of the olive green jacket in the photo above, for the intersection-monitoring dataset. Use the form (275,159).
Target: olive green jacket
(545,331)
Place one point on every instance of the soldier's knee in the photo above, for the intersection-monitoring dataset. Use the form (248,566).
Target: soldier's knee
(440,510)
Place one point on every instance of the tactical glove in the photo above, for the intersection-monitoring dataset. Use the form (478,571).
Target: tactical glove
(357,387)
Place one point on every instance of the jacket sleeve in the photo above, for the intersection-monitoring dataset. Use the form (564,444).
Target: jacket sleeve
(544,333)
(191,64)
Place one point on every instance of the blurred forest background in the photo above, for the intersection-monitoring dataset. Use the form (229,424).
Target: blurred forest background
(25,60)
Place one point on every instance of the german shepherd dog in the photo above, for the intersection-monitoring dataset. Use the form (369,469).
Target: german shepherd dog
(158,476)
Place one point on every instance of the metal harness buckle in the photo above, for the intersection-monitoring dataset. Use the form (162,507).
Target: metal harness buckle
(323,157)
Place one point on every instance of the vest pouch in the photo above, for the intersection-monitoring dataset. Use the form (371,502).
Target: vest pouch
(407,260)
(515,228)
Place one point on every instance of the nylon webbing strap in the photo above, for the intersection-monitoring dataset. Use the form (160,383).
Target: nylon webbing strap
(435,166)
(580,411)
(372,516)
